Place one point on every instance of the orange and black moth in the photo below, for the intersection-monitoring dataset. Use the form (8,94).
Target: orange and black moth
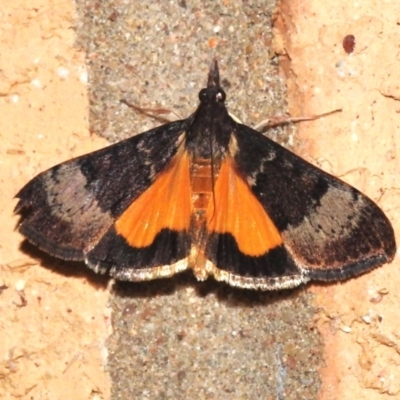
(209,194)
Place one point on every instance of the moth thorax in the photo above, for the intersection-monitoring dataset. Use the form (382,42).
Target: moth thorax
(204,173)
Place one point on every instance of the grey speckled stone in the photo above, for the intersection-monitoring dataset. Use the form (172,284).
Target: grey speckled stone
(177,338)
(180,339)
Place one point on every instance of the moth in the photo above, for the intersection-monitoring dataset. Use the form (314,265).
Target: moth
(209,194)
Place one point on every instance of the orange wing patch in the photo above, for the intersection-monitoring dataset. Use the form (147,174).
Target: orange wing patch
(164,205)
(238,212)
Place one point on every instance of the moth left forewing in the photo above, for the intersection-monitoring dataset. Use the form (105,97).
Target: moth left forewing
(329,229)
(67,209)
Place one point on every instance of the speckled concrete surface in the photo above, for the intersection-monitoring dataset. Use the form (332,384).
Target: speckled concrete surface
(178,338)
(181,339)
(159,56)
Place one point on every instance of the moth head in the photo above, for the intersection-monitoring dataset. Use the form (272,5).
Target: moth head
(212,95)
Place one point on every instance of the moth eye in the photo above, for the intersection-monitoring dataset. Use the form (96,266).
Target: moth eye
(202,94)
(211,95)
(220,96)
